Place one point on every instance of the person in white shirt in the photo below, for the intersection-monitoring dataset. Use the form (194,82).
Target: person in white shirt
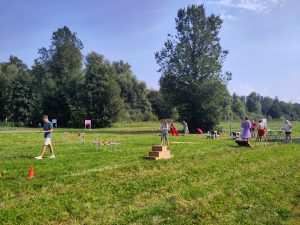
(288,131)
(261,130)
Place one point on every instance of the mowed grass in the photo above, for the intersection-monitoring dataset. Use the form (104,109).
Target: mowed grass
(207,182)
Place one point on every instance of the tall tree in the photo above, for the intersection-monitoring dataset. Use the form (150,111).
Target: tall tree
(238,106)
(59,69)
(17,96)
(253,103)
(191,65)
(275,110)
(8,73)
(102,93)
(161,108)
(133,92)
(266,104)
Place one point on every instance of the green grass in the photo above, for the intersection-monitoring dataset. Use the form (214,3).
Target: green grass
(210,182)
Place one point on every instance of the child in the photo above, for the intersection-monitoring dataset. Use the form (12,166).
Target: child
(261,130)
(253,128)
(185,128)
(47,131)
(246,125)
(173,129)
(164,132)
(288,131)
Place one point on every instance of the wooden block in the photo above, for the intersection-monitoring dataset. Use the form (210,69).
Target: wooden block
(155,153)
(157,158)
(159,148)
(159,152)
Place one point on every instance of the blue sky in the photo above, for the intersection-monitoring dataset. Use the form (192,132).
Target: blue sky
(262,36)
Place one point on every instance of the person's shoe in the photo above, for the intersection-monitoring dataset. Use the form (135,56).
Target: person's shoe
(38,157)
(52,157)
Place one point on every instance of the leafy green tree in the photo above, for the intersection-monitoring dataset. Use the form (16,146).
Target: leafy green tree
(238,106)
(102,92)
(253,103)
(266,104)
(191,65)
(161,108)
(275,110)
(22,100)
(133,92)
(17,96)
(59,70)
(8,73)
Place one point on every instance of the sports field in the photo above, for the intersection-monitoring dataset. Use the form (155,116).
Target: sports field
(207,182)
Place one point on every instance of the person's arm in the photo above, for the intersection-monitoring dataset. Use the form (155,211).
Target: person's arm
(46,131)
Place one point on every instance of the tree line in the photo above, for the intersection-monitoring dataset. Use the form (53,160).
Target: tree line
(257,106)
(58,84)
(71,87)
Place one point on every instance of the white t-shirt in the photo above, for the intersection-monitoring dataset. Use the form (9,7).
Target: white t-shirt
(261,126)
(288,127)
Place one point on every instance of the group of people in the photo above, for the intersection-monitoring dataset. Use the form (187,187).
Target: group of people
(165,130)
(250,128)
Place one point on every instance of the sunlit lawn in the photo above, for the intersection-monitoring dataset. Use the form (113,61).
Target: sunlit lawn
(207,182)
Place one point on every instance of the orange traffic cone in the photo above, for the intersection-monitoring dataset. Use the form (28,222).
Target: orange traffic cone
(30,173)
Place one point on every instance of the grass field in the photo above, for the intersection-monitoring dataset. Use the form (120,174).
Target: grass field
(209,182)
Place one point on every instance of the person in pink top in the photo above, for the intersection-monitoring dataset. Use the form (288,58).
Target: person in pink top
(253,128)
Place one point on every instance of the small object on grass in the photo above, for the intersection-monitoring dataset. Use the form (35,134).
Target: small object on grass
(242,143)
(200,131)
(30,173)
(159,152)
(98,143)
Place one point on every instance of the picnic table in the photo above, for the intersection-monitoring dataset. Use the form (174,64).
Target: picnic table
(275,135)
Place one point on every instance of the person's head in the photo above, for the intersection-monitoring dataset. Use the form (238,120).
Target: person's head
(246,118)
(164,121)
(260,120)
(253,121)
(45,118)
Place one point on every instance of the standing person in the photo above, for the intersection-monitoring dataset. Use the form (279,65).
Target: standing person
(246,125)
(47,131)
(185,128)
(164,132)
(288,131)
(173,129)
(261,130)
(253,128)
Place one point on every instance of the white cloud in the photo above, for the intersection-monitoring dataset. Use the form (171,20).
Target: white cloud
(259,6)
(228,17)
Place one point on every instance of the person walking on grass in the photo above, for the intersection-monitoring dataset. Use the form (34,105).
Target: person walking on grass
(164,132)
(185,128)
(261,130)
(288,131)
(173,129)
(246,125)
(47,131)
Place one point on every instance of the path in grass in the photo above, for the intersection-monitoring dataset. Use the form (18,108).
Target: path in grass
(211,182)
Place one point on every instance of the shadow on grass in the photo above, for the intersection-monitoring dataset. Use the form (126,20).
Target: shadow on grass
(239,147)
